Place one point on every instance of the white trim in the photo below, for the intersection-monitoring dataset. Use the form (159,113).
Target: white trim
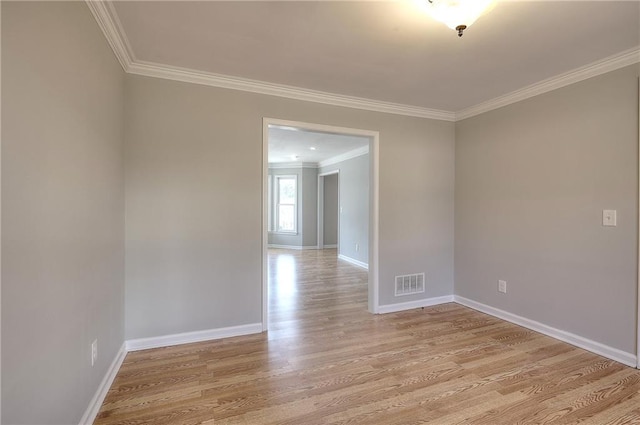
(638,246)
(409,305)
(109,23)
(279,165)
(111,27)
(374,224)
(277,204)
(611,63)
(331,246)
(296,247)
(354,261)
(101,393)
(151,69)
(628,359)
(191,337)
(344,156)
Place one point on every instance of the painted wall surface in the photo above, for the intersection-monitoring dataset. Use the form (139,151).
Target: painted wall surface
(532,180)
(354,202)
(330,213)
(193,221)
(310,207)
(284,238)
(62,210)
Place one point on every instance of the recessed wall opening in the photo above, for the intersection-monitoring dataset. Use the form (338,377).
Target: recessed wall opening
(320,212)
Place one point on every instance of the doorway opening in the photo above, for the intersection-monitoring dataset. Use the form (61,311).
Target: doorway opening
(286,177)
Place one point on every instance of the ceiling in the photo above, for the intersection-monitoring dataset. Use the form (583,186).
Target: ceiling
(387,51)
(290,144)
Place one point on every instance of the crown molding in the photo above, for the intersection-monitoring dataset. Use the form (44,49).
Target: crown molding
(151,69)
(344,156)
(611,63)
(109,23)
(281,165)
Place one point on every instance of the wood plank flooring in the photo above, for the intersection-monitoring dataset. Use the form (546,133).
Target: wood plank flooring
(326,360)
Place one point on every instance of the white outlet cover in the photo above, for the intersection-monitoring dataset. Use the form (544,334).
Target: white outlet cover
(609,218)
(502,286)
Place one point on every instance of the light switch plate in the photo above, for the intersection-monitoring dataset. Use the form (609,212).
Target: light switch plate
(609,218)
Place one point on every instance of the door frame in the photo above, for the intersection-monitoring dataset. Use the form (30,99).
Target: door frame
(638,246)
(321,208)
(374,185)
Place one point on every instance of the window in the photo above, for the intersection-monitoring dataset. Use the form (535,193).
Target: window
(286,210)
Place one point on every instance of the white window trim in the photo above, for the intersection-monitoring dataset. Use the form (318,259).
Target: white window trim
(276,203)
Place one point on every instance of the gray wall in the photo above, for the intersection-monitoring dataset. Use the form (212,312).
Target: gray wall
(532,180)
(193,248)
(62,210)
(354,202)
(309,207)
(330,210)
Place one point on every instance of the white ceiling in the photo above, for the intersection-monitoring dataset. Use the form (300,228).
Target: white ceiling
(288,144)
(382,50)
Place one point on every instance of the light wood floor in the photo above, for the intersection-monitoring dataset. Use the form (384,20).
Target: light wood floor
(326,360)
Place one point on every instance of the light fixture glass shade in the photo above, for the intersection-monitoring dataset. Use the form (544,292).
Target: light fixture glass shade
(454,13)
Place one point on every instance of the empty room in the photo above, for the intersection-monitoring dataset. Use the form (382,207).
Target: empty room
(319,212)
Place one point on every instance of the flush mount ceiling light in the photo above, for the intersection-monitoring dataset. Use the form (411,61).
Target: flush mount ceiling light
(458,14)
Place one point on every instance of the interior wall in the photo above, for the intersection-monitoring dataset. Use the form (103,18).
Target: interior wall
(193,239)
(353,206)
(532,180)
(62,210)
(330,210)
(309,207)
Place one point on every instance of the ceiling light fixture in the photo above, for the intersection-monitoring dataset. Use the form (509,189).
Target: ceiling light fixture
(312,148)
(458,14)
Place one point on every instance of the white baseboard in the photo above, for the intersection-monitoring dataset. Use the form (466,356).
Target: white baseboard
(409,305)
(189,337)
(354,261)
(298,247)
(98,398)
(330,246)
(573,339)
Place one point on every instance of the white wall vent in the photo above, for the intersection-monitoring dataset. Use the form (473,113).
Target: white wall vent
(409,284)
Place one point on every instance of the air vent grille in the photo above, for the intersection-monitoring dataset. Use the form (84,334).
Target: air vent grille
(409,284)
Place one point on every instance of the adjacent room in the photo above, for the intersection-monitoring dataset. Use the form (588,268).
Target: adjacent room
(319,212)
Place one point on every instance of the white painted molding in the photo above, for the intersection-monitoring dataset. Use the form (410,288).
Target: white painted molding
(354,261)
(109,23)
(628,359)
(331,246)
(280,165)
(409,305)
(150,69)
(101,393)
(296,247)
(344,156)
(111,27)
(611,63)
(190,337)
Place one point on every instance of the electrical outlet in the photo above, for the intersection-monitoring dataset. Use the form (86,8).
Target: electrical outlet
(609,218)
(357,247)
(94,352)
(502,286)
